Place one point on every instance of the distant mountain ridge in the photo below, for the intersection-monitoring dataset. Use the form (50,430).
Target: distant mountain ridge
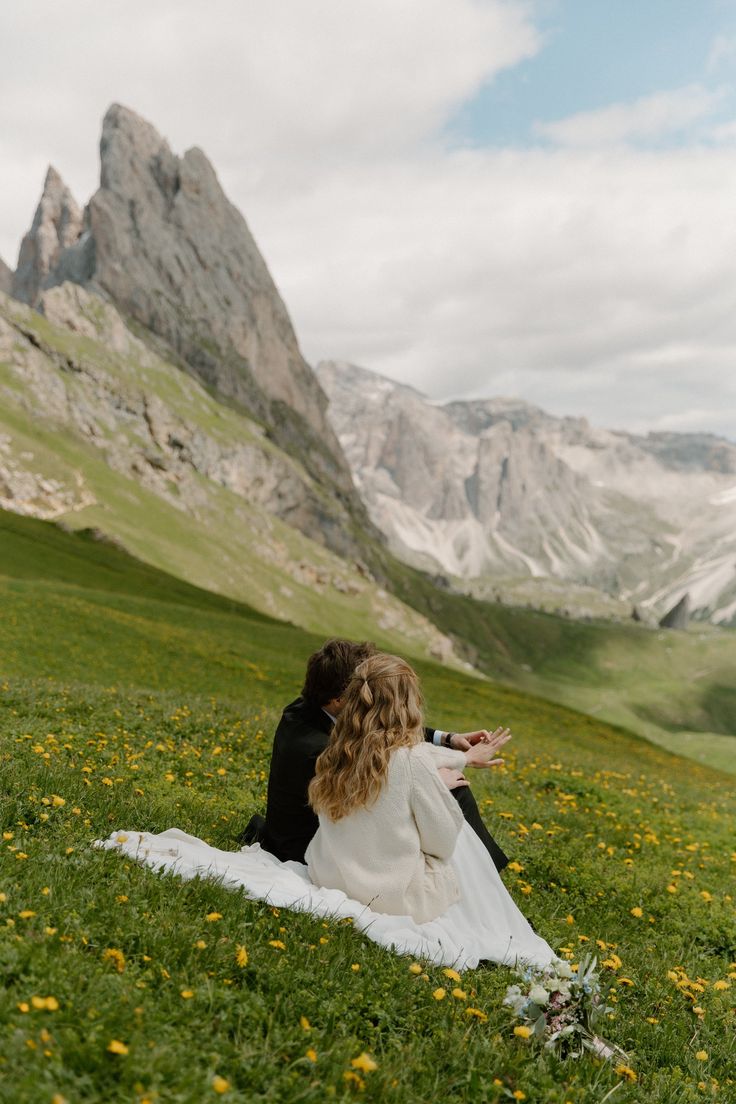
(495,488)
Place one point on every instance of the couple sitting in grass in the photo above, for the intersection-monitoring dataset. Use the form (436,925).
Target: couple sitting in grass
(377,806)
(369,817)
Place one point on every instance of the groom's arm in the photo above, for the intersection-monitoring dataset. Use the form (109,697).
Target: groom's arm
(460,741)
(438,737)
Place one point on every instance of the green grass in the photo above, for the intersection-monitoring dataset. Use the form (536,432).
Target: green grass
(675,688)
(130,700)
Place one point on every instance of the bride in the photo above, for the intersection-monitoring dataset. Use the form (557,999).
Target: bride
(390,834)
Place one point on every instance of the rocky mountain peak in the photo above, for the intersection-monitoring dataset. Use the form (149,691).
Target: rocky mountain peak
(57,224)
(173,252)
(161,240)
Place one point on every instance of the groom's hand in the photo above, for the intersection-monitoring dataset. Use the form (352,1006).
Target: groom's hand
(462,741)
(453,779)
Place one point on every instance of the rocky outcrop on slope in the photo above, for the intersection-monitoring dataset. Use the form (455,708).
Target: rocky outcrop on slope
(6,278)
(499,489)
(679,616)
(82,370)
(57,224)
(162,241)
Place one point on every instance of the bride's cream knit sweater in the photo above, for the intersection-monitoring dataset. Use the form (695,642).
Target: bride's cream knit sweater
(394,854)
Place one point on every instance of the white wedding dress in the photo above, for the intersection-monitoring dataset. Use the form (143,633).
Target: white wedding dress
(484,924)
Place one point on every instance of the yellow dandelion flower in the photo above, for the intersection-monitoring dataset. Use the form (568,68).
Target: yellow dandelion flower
(459,994)
(637,912)
(351,1075)
(304,1023)
(116,1047)
(570,919)
(186,994)
(277,944)
(112,954)
(241,956)
(311,1054)
(58,802)
(702,1055)
(721,985)
(364,1063)
(212,916)
(220,1084)
(522,1031)
(356,966)
(26,914)
(625,981)
(452,974)
(439,994)
(518,1094)
(415,968)
(24,1006)
(626,1072)
(476,1014)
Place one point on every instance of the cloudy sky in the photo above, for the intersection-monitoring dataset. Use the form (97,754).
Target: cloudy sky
(477,197)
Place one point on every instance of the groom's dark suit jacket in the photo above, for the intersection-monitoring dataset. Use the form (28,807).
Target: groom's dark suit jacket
(302,735)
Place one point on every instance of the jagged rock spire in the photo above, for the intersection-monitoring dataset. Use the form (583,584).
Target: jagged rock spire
(6,277)
(175,254)
(56,225)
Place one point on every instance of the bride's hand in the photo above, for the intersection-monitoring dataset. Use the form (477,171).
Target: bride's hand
(482,754)
(453,779)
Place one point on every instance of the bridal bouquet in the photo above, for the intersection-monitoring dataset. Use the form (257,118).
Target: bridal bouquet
(561,1007)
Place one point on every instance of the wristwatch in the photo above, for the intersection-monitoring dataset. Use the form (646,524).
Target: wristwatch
(447,739)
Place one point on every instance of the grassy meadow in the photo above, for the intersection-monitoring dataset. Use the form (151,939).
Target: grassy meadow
(131,700)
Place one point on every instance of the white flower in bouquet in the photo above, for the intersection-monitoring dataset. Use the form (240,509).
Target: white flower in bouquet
(539,994)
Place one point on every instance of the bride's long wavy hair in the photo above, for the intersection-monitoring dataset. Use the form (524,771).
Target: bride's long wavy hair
(382,711)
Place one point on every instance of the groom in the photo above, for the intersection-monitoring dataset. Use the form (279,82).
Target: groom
(302,735)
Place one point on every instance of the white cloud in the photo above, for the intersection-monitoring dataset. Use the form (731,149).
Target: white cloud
(722,52)
(647,118)
(592,281)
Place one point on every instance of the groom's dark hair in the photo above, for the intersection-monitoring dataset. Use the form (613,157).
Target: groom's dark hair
(330,669)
